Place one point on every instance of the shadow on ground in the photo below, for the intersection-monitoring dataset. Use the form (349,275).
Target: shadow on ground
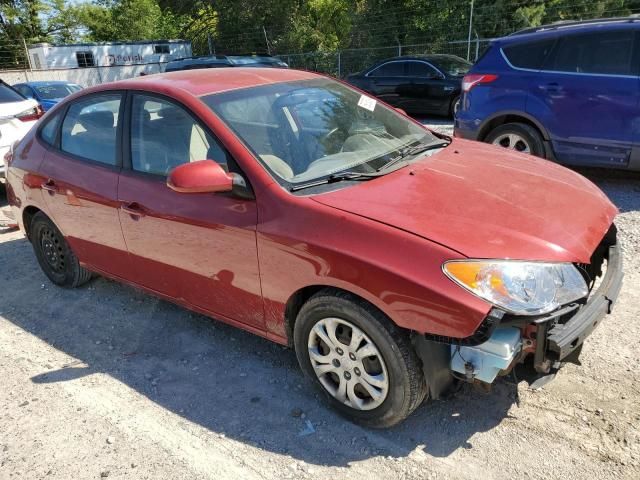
(221,378)
(211,374)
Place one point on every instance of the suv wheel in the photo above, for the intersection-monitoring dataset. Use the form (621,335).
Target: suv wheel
(519,137)
(363,363)
(54,254)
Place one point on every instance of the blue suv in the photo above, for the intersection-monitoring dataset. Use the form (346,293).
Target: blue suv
(568,92)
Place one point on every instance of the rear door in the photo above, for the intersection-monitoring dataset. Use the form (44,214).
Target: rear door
(81,178)
(389,83)
(586,95)
(199,248)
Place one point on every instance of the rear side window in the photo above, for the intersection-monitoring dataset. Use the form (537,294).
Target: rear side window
(603,53)
(391,69)
(89,128)
(8,94)
(528,55)
(421,69)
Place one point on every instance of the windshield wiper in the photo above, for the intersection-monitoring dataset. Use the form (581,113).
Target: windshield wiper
(413,150)
(336,177)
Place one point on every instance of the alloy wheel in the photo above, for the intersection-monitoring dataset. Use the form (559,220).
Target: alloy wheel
(512,141)
(348,364)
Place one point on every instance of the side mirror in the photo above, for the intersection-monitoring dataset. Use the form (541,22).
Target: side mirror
(203,176)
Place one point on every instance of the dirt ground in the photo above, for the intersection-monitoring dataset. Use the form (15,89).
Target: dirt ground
(105,381)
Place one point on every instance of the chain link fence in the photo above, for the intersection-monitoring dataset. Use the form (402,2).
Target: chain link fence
(345,62)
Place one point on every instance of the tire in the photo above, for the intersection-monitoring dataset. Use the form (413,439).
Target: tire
(54,255)
(519,137)
(395,368)
(455,105)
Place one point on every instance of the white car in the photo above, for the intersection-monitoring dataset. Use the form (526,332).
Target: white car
(17,115)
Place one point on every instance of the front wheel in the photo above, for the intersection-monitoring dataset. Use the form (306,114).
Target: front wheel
(364,364)
(519,137)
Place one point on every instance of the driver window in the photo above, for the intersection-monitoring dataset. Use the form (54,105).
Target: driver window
(164,135)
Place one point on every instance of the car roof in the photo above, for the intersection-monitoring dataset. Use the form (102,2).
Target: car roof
(210,81)
(562,28)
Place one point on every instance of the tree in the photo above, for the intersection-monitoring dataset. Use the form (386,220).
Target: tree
(115,20)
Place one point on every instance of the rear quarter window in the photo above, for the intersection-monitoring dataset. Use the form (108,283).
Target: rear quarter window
(530,55)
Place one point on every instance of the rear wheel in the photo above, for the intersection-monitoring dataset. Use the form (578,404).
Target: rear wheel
(519,137)
(54,255)
(364,364)
(455,106)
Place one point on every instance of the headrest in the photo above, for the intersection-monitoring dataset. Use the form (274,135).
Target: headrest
(93,120)
(172,114)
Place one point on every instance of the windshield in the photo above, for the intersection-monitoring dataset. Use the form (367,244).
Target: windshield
(311,129)
(453,66)
(56,90)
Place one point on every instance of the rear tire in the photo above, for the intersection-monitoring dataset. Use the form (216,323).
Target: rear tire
(54,255)
(519,137)
(342,368)
(455,106)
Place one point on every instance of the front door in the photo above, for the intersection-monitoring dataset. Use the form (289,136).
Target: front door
(81,180)
(429,92)
(587,96)
(198,248)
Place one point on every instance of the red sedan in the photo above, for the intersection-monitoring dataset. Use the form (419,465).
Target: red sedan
(396,261)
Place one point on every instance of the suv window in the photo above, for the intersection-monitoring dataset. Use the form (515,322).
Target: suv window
(8,94)
(164,135)
(89,128)
(529,55)
(604,53)
(421,69)
(390,69)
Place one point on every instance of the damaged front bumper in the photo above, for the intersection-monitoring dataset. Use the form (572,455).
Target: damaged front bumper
(504,340)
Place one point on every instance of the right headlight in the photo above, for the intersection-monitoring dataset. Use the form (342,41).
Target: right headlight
(518,287)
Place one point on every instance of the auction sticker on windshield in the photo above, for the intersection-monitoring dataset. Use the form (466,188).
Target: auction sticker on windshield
(367,102)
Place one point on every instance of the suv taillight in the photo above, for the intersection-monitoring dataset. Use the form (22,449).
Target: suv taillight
(473,79)
(31,114)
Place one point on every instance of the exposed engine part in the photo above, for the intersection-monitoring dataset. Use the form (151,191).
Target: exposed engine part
(485,361)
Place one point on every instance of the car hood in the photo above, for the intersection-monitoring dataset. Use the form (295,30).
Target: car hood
(486,202)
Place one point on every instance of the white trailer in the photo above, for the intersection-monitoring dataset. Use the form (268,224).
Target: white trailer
(45,56)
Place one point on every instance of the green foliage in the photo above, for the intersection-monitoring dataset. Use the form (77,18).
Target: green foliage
(285,26)
(110,20)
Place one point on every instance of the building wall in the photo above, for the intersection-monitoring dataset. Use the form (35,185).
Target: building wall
(64,56)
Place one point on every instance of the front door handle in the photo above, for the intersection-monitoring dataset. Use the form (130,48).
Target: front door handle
(49,186)
(132,209)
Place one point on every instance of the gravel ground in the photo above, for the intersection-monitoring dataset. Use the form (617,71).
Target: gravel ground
(105,381)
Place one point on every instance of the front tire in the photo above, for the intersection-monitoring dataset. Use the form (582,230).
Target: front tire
(364,364)
(54,255)
(519,137)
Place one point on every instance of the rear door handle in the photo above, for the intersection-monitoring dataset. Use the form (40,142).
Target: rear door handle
(132,209)
(49,186)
